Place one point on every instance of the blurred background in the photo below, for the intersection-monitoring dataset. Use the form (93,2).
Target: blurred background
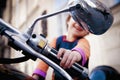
(22,13)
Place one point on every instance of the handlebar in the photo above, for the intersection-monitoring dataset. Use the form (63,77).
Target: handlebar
(40,44)
(37,47)
(19,40)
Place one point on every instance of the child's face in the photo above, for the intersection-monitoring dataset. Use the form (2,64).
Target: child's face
(75,29)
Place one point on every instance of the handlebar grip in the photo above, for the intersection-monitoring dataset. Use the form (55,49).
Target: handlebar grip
(76,69)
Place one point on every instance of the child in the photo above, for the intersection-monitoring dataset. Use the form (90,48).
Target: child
(72,47)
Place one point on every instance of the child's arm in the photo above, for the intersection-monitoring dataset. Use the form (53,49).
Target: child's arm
(79,53)
(83,48)
(36,77)
(40,71)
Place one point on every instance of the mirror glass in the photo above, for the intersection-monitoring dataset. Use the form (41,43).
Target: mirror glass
(91,15)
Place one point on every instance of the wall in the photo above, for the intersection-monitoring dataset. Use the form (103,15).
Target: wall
(105,48)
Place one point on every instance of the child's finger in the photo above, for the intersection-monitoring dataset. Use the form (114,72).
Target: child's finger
(67,64)
(73,61)
(60,53)
(64,59)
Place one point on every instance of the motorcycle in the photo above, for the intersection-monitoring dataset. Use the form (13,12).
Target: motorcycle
(35,46)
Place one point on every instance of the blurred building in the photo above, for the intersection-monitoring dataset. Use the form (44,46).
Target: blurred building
(22,13)
(105,48)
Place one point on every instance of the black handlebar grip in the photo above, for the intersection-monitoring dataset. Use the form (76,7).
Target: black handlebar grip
(75,70)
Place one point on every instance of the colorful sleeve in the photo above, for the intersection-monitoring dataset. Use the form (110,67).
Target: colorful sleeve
(84,49)
(42,67)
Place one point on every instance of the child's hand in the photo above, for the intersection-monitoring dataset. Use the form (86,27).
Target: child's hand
(36,77)
(68,57)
